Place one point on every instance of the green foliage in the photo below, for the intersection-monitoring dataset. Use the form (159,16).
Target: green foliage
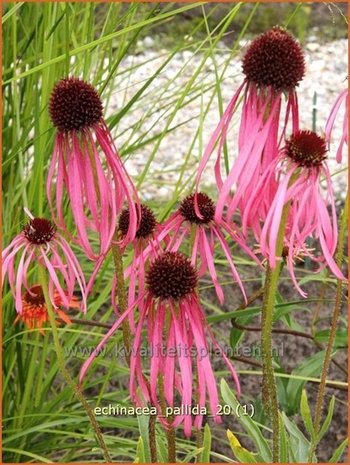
(205,454)
(294,446)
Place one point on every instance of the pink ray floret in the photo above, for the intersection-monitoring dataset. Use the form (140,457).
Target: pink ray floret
(40,244)
(205,232)
(146,235)
(273,66)
(86,165)
(178,338)
(342,99)
(298,171)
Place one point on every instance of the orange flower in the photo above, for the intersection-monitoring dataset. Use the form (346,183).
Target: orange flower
(34,313)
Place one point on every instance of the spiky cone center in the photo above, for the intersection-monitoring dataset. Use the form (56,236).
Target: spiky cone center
(39,231)
(205,205)
(147,222)
(274,59)
(306,149)
(171,276)
(74,105)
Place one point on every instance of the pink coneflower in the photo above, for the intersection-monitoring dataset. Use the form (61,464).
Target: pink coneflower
(40,243)
(204,231)
(145,245)
(177,337)
(273,66)
(342,98)
(145,235)
(85,163)
(298,171)
(34,311)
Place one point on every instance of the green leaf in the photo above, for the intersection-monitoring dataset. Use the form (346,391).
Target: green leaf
(310,367)
(162,452)
(248,423)
(11,11)
(299,445)
(284,443)
(25,453)
(140,452)
(306,414)
(243,455)
(205,454)
(341,337)
(327,420)
(237,334)
(192,454)
(143,421)
(280,310)
(338,452)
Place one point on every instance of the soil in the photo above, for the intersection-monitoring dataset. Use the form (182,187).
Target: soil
(292,351)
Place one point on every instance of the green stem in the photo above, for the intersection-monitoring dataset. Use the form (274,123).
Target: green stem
(61,363)
(152,438)
(199,438)
(171,436)
(332,333)
(170,431)
(121,294)
(269,389)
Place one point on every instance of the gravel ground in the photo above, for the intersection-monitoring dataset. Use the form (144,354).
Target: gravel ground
(326,76)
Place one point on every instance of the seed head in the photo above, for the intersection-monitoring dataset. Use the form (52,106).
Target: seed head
(36,297)
(274,59)
(206,207)
(171,276)
(39,231)
(146,225)
(74,105)
(306,148)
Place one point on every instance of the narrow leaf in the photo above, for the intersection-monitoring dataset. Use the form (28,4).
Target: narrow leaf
(248,423)
(242,454)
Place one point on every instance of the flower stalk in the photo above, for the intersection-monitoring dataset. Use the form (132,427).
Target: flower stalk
(122,297)
(332,333)
(63,369)
(269,389)
(170,431)
(152,438)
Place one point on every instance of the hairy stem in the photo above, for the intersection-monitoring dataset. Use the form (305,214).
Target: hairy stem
(332,333)
(170,432)
(152,438)
(121,294)
(269,384)
(61,363)
(171,445)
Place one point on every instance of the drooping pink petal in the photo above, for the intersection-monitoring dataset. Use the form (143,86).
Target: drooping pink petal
(186,371)
(210,261)
(104,340)
(203,358)
(19,280)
